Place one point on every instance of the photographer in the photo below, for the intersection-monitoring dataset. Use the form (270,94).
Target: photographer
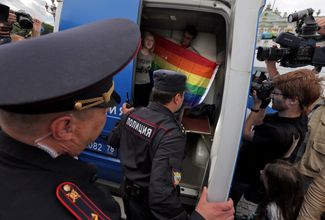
(305,166)
(29,25)
(274,136)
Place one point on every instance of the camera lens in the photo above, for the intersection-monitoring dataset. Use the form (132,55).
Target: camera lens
(278,53)
(25,23)
(25,20)
(270,53)
(262,53)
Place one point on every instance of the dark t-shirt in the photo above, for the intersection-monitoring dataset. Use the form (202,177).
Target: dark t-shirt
(271,141)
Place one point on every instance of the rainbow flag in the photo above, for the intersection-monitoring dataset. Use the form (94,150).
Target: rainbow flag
(200,71)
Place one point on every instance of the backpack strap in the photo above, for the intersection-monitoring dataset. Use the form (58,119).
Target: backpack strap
(78,203)
(293,146)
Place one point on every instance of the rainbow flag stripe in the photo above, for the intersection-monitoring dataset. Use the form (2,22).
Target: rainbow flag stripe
(200,71)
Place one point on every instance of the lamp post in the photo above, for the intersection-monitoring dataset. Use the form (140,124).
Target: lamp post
(52,8)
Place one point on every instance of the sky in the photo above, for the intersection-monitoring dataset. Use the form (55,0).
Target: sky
(291,6)
(37,7)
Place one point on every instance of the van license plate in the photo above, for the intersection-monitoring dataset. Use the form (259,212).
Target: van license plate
(100,146)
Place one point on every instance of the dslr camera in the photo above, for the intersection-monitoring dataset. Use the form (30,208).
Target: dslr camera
(298,49)
(262,86)
(24,19)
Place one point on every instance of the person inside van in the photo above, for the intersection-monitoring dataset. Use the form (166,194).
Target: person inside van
(189,35)
(142,86)
(273,136)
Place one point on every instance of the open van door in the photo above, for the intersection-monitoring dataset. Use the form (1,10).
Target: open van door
(226,38)
(228,28)
(240,58)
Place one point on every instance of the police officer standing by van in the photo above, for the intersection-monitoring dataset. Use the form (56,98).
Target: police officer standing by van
(151,144)
(55,92)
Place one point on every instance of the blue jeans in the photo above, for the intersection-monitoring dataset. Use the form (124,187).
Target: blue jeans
(4,40)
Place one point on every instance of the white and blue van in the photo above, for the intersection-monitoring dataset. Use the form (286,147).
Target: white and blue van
(227,33)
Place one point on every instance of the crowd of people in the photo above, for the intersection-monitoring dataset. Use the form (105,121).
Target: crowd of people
(279,175)
(266,184)
(292,135)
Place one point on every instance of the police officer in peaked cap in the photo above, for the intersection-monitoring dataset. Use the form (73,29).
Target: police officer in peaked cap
(151,144)
(55,91)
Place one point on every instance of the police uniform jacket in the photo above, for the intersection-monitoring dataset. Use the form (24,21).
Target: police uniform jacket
(151,145)
(29,178)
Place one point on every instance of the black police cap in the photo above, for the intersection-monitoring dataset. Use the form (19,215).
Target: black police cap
(68,70)
(169,81)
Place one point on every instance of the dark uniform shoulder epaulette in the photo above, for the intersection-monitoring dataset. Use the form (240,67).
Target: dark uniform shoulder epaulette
(78,203)
(181,126)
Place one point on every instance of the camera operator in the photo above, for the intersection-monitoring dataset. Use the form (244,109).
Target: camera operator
(274,136)
(6,27)
(302,48)
(270,64)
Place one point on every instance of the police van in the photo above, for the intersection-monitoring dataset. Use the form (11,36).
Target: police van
(226,36)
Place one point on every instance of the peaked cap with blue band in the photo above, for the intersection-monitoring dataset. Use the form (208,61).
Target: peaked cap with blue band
(68,70)
(169,81)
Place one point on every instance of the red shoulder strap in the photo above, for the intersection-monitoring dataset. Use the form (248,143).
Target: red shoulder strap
(78,203)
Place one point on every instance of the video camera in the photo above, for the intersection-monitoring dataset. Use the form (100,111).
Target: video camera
(300,49)
(24,19)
